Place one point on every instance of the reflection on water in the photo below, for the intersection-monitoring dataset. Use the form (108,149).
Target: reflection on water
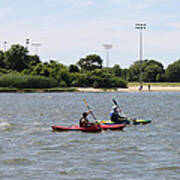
(30,150)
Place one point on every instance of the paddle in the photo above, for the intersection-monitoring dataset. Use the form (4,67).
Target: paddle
(88,107)
(85,102)
(115,102)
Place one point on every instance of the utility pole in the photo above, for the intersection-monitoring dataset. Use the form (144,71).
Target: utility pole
(140,27)
(107,47)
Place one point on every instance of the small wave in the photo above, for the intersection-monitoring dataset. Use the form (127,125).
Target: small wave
(36,124)
(130,148)
(32,131)
(76,141)
(42,129)
(5,126)
(168,168)
(17,161)
(68,172)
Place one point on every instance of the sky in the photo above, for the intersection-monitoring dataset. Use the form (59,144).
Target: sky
(72,29)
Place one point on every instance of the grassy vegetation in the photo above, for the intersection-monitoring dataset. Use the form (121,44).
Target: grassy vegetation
(17,80)
(7,89)
(164,84)
(72,89)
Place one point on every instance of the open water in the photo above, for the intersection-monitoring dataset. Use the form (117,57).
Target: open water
(29,150)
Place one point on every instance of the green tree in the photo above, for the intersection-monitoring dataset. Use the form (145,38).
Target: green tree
(117,70)
(150,69)
(173,72)
(16,58)
(65,77)
(153,70)
(79,80)
(134,71)
(55,68)
(73,68)
(103,78)
(41,69)
(152,73)
(1,59)
(125,74)
(34,60)
(90,62)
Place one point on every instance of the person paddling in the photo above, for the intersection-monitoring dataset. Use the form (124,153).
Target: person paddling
(84,122)
(116,117)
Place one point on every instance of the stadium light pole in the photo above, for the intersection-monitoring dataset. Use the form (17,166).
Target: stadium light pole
(36,45)
(27,43)
(140,27)
(107,47)
(5,43)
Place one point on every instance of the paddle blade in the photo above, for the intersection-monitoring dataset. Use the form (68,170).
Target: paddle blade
(115,102)
(85,102)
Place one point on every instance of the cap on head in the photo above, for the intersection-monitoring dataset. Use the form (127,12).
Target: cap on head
(84,114)
(114,108)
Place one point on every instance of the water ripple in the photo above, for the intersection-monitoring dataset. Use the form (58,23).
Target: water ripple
(168,168)
(16,161)
(30,150)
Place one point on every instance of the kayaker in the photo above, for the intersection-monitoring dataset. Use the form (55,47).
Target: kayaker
(84,122)
(116,117)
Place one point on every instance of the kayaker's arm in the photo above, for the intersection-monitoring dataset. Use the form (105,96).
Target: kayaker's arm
(89,109)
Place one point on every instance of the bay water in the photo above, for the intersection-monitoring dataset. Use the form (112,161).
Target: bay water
(29,149)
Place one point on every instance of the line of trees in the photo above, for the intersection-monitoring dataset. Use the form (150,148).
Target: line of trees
(87,72)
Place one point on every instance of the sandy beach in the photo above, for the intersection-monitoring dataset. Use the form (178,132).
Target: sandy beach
(134,89)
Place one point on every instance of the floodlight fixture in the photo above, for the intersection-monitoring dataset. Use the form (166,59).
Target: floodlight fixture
(36,45)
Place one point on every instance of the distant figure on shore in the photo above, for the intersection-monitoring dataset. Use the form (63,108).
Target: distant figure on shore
(140,87)
(149,87)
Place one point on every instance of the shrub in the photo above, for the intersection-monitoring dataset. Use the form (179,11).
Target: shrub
(24,81)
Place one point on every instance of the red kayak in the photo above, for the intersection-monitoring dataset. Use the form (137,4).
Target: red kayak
(97,128)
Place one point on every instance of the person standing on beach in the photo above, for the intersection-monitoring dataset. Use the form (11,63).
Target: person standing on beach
(149,87)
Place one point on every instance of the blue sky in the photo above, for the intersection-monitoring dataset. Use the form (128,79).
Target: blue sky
(71,29)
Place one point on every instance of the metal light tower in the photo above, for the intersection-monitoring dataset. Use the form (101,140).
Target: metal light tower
(107,47)
(36,45)
(140,27)
(5,43)
(27,43)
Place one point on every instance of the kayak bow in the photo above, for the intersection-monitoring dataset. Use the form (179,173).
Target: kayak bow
(140,121)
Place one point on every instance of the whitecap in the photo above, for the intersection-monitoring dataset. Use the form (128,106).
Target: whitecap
(5,126)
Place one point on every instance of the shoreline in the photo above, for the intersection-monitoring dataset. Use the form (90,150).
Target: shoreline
(131,88)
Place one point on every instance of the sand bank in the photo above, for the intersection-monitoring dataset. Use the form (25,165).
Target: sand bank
(134,89)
